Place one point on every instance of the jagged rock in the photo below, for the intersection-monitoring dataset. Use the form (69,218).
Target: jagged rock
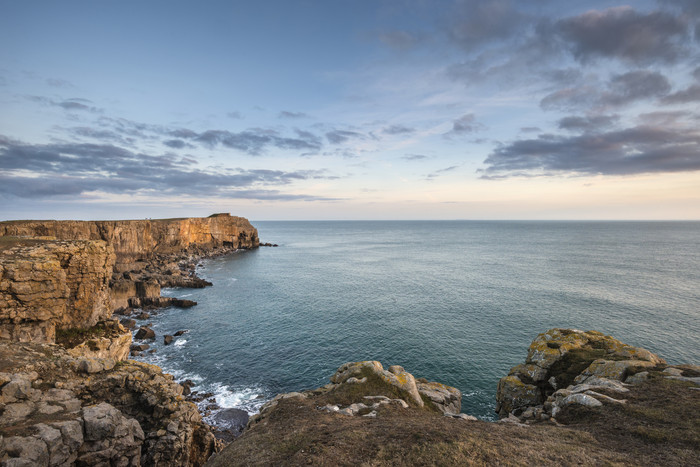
(167,339)
(111,417)
(396,376)
(447,399)
(561,357)
(617,370)
(179,333)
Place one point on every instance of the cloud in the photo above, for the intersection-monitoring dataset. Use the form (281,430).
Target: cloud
(636,85)
(292,115)
(635,150)
(477,22)
(530,129)
(398,130)
(620,90)
(341,136)
(623,33)
(588,123)
(234,115)
(254,141)
(67,104)
(439,172)
(59,83)
(70,169)
(414,157)
(689,94)
(400,40)
(175,143)
(466,124)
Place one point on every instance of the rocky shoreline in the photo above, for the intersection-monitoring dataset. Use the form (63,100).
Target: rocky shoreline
(70,396)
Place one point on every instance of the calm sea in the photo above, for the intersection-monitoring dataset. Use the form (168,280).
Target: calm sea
(455,301)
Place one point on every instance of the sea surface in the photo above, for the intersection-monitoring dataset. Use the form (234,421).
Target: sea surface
(453,301)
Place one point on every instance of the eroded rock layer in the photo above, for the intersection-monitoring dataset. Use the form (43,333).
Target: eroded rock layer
(136,239)
(45,285)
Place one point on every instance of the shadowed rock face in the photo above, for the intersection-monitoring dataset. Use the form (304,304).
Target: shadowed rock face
(136,239)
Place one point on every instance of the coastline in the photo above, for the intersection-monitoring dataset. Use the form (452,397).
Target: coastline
(570,381)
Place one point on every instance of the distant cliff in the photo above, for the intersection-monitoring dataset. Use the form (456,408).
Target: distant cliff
(139,239)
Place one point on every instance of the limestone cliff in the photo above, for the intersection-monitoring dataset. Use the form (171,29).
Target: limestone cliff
(45,285)
(136,239)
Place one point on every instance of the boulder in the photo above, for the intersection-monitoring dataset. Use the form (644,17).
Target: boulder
(145,333)
(167,339)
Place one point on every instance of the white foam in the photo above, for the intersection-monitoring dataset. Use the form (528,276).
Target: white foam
(180,342)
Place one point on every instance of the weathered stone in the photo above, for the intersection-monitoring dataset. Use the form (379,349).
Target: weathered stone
(46,285)
(617,370)
(513,394)
(399,378)
(445,398)
(145,333)
(167,339)
(28,449)
(637,378)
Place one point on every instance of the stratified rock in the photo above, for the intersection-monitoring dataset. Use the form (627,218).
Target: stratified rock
(134,240)
(46,285)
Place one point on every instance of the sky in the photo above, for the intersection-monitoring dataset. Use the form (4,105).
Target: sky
(363,109)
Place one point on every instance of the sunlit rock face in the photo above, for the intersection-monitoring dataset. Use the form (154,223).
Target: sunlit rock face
(136,239)
(45,285)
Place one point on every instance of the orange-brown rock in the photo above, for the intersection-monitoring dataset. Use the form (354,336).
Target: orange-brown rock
(136,239)
(46,285)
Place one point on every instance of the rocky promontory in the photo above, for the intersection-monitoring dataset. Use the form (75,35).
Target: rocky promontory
(135,240)
(580,398)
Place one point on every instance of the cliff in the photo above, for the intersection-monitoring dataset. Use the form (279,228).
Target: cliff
(588,399)
(141,239)
(45,285)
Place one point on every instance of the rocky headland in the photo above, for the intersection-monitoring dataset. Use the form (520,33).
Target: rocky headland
(69,395)
(580,398)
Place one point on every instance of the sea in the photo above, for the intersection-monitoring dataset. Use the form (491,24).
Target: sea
(452,301)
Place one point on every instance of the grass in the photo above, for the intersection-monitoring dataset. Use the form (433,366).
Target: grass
(73,337)
(660,425)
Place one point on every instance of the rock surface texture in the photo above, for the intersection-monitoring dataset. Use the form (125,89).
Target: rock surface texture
(62,410)
(49,285)
(360,388)
(567,367)
(136,239)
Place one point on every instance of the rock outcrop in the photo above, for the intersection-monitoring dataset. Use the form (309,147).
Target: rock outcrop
(61,410)
(48,285)
(571,367)
(361,388)
(133,240)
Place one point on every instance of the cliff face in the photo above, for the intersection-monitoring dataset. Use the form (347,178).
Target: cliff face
(45,285)
(136,239)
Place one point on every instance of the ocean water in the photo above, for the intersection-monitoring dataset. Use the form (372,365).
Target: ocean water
(456,301)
